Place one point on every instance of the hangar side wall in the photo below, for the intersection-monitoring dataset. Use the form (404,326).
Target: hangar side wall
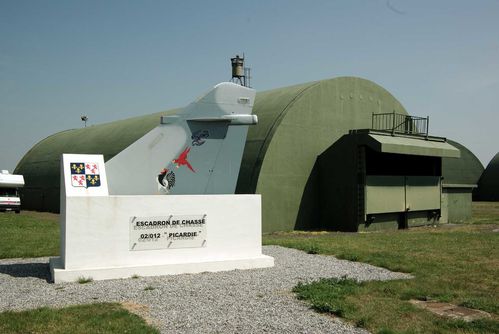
(460,177)
(488,185)
(338,198)
(457,202)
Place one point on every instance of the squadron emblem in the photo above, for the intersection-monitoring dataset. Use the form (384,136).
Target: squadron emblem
(85,174)
(166,180)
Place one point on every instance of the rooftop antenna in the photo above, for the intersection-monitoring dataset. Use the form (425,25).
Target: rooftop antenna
(240,74)
(84,118)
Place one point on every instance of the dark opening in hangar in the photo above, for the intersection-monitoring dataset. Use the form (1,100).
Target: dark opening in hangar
(381,177)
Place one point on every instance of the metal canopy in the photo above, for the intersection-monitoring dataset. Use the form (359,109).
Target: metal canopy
(412,146)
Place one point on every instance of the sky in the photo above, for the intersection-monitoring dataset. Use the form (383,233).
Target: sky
(115,59)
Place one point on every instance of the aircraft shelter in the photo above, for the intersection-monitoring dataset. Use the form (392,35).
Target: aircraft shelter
(296,125)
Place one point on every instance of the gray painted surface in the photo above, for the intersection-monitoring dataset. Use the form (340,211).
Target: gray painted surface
(458,203)
(198,150)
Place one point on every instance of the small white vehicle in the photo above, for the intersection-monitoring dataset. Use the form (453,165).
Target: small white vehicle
(9,191)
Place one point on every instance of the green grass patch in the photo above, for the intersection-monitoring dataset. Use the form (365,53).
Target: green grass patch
(29,234)
(93,318)
(84,280)
(484,213)
(458,264)
(328,295)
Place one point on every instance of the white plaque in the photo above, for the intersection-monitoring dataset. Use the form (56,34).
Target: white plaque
(164,232)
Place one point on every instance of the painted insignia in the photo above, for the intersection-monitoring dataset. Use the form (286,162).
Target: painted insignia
(182,160)
(166,180)
(199,137)
(85,174)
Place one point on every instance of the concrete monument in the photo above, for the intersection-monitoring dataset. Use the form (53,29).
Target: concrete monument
(169,207)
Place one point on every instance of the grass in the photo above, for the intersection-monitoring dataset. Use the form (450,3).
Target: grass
(84,280)
(93,318)
(29,234)
(341,297)
(328,295)
(484,213)
(458,264)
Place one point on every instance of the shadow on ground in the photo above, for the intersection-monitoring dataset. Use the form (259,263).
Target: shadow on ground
(37,270)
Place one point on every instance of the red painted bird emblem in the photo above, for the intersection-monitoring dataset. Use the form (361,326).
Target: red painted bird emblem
(182,159)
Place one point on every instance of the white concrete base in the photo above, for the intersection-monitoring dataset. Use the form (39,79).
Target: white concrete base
(100,239)
(59,274)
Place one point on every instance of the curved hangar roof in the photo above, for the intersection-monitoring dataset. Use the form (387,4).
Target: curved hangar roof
(462,172)
(488,185)
(296,124)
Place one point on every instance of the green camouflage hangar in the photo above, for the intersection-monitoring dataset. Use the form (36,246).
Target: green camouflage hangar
(336,154)
(488,184)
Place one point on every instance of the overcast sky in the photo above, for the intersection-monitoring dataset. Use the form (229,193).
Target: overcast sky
(112,60)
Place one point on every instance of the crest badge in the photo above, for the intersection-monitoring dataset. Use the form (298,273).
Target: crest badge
(85,174)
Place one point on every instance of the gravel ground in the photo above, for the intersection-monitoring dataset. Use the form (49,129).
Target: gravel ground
(239,301)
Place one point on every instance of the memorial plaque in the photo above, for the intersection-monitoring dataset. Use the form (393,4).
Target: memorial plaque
(167,232)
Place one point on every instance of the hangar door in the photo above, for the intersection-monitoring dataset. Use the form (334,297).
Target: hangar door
(385,193)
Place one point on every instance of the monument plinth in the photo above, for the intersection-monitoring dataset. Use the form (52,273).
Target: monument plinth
(106,237)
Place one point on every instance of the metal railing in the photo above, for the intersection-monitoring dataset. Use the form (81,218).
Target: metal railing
(401,124)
